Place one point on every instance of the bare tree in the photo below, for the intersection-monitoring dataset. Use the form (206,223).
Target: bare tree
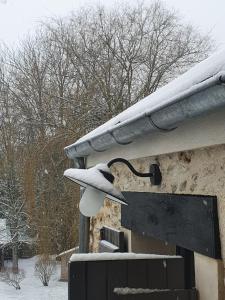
(71,76)
(123,55)
(44,268)
(12,278)
(12,202)
(36,77)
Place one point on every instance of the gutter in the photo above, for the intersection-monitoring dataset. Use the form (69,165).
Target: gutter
(200,99)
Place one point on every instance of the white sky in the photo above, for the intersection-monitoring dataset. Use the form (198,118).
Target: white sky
(18,17)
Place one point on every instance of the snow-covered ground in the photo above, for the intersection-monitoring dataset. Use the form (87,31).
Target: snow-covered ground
(32,288)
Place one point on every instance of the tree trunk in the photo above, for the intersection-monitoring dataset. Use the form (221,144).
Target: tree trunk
(2,259)
(15,258)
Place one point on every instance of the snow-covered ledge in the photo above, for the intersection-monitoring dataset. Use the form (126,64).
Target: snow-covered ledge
(136,291)
(117,256)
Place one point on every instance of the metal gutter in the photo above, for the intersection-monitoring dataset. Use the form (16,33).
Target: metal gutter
(200,99)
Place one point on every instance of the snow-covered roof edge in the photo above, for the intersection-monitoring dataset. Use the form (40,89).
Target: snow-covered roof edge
(198,91)
(72,250)
(117,256)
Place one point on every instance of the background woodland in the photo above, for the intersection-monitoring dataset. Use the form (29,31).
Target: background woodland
(72,75)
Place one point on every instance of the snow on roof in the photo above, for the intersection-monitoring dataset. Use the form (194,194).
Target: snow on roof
(208,68)
(109,245)
(69,251)
(116,256)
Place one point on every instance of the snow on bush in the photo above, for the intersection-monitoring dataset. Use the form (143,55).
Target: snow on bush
(44,268)
(12,278)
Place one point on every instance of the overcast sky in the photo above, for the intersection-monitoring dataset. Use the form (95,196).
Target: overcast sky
(18,17)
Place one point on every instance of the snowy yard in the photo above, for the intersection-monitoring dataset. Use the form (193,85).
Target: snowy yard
(31,286)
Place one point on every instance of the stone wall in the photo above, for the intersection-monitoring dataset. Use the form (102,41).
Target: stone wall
(200,171)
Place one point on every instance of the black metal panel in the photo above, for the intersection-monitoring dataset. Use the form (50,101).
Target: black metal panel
(157,274)
(96,280)
(175,273)
(189,221)
(90,280)
(77,281)
(117,277)
(137,273)
(189,266)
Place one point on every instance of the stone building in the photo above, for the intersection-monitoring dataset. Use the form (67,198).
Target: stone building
(180,127)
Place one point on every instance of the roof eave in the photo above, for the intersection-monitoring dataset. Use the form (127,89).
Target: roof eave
(200,99)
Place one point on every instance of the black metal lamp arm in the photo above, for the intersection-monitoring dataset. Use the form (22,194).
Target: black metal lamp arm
(154,174)
(126,162)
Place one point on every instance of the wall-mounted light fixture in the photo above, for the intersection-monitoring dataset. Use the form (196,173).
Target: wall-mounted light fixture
(98,182)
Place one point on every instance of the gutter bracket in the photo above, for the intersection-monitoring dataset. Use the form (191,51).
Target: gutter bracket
(158,128)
